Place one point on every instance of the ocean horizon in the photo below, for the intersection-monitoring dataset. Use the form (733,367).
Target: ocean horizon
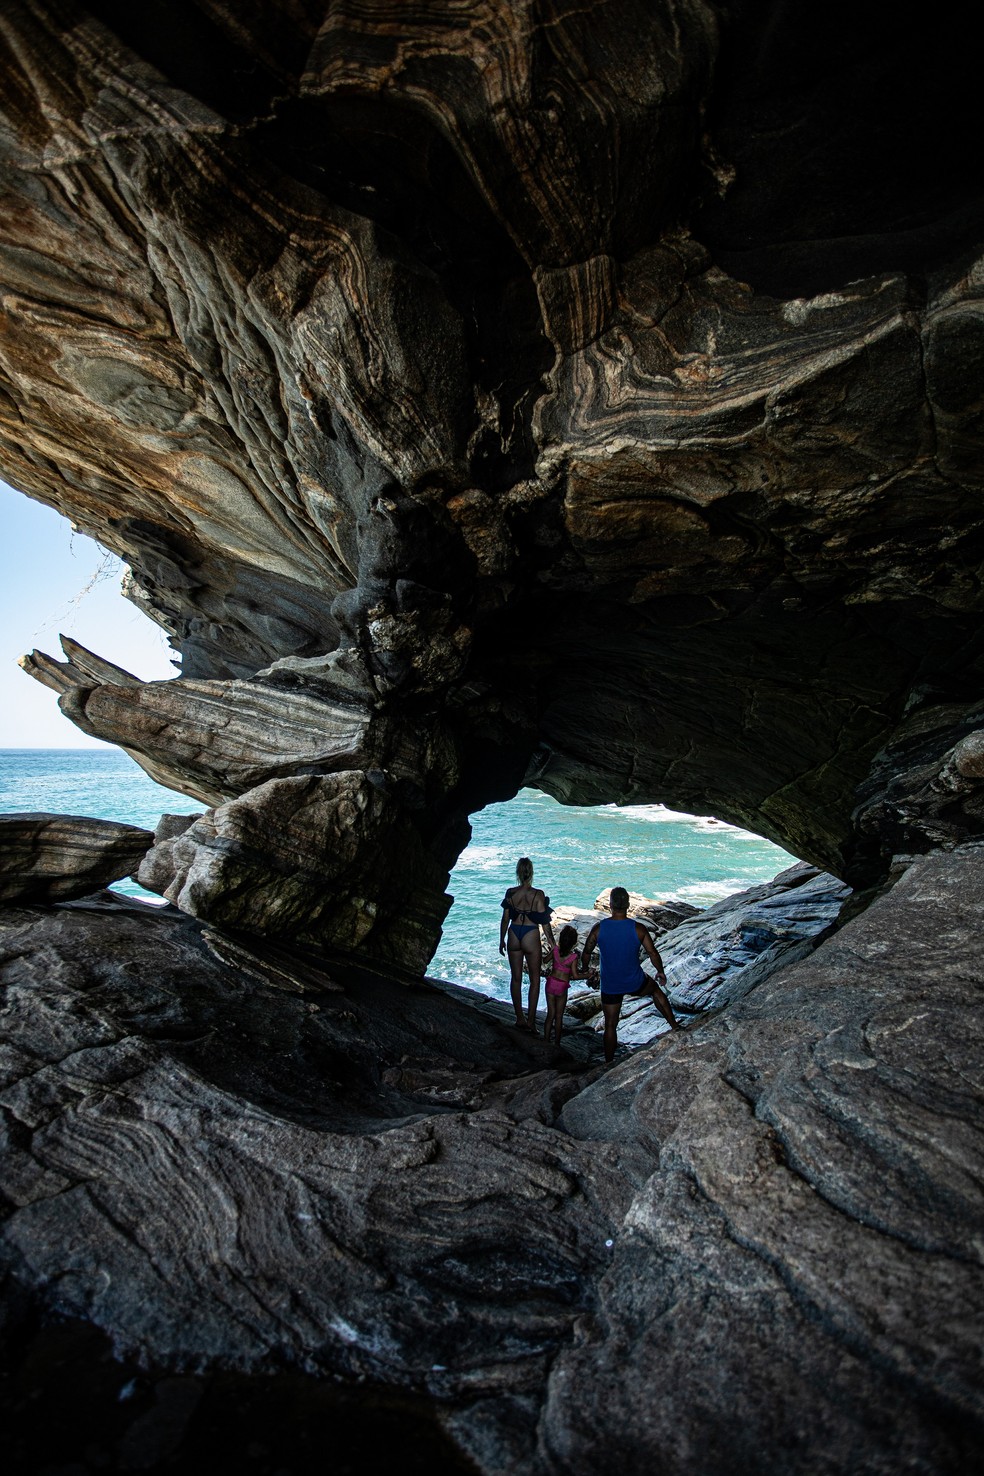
(578,850)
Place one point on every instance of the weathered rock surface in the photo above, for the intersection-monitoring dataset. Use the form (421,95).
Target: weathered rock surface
(709,957)
(212,740)
(401,352)
(218,1152)
(234,1156)
(301,859)
(423,349)
(926,788)
(51,858)
(803,1256)
(719,954)
(658,916)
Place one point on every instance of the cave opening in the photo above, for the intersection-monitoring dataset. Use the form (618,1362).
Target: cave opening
(579,851)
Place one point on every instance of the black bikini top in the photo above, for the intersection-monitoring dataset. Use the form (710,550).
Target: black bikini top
(533,917)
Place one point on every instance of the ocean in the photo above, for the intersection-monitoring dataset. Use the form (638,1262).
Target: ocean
(577,850)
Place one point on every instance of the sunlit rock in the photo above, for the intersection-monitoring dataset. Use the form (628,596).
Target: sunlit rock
(486,393)
(302,859)
(51,858)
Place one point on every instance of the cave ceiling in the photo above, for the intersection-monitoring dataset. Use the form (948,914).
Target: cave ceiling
(505,391)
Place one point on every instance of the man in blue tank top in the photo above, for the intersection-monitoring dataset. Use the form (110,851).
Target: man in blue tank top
(618,939)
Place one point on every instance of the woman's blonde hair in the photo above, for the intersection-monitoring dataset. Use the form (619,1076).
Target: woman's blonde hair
(524,870)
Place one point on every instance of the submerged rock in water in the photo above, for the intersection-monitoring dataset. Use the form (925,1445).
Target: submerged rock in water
(51,858)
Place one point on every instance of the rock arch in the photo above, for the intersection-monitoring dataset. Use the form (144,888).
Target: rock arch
(496,391)
(492,394)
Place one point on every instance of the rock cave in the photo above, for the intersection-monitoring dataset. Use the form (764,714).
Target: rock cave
(487,393)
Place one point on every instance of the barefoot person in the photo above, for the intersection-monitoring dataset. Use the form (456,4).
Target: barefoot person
(562,969)
(619,939)
(525,910)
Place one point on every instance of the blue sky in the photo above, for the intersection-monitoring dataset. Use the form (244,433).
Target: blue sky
(51,581)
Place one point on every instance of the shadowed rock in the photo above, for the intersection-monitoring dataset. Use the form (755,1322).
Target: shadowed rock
(294,861)
(804,1282)
(344,1156)
(211,740)
(50,858)
(579,395)
(383,442)
(218,1151)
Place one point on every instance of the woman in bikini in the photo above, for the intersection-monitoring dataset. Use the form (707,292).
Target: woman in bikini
(525,910)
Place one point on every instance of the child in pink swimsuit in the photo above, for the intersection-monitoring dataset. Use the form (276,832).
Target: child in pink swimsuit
(564,966)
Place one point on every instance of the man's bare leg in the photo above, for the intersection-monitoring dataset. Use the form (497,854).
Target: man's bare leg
(663,1005)
(612,1007)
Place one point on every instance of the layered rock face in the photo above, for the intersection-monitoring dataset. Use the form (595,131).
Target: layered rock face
(52,858)
(401,354)
(753,1246)
(585,395)
(717,956)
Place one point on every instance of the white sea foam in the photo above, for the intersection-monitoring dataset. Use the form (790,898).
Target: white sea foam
(703,893)
(486,858)
(661,815)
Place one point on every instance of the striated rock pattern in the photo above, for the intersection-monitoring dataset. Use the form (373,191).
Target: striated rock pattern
(51,858)
(302,858)
(719,955)
(402,351)
(926,788)
(807,1231)
(484,393)
(660,916)
(214,1151)
(290,1164)
(710,954)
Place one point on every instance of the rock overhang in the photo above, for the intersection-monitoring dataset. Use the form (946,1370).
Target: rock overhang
(412,376)
(642,488)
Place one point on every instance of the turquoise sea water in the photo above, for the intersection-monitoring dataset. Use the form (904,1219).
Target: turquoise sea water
(577,851)
(102,782)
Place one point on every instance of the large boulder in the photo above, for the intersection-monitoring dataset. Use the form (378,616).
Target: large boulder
(659,916)
(224,1154)
(798,1285)
(300,858)
(716,955)
(51,858)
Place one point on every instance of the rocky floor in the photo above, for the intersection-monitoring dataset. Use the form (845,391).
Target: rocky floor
(69,1406)
(753,1246)
(228,1157)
